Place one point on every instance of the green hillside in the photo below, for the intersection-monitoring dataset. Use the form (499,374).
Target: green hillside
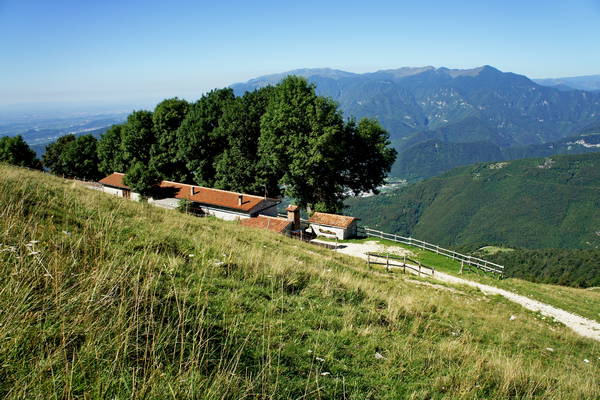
(101,297)
(531,203)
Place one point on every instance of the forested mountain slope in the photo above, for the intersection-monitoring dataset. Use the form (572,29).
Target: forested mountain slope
(532,203)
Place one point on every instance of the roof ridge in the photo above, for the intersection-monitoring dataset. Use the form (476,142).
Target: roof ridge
(219,190)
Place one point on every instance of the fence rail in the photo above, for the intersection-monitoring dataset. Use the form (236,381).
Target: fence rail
(479,263)
(399,262)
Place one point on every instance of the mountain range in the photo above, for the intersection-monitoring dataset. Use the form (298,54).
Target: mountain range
(588,82)
(465,112)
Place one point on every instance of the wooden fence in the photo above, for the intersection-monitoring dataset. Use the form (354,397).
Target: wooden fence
(478,263)
(392,261)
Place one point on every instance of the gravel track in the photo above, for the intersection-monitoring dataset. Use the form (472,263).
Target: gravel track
(582,326)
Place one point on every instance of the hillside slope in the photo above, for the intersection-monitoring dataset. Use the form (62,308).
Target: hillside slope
(101,297)
(533,203)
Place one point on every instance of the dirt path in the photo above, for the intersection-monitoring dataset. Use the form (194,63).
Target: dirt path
(583,326)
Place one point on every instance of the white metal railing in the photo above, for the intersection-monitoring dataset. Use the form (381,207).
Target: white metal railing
(479,263)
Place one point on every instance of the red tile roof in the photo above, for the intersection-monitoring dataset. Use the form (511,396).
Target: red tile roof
(115,179)
(217,197)
(339,221)
(207,196)
(278,225)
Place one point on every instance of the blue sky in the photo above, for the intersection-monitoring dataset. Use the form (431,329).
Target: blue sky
(124,51)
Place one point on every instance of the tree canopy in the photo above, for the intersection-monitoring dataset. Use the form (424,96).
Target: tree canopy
(75,157)
(281,140)
(14,150)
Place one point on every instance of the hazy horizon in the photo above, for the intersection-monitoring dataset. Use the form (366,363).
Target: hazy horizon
(140,52)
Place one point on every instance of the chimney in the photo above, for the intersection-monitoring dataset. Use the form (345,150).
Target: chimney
(192,190)
(240,199)
(293,214)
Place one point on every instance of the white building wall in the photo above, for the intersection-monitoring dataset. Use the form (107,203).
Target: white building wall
(135,196)
(113,191)
(223,214)
(340,233)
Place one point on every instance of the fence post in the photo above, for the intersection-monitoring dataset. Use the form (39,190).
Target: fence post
(387,262)
(404,264)
(369,260)
(419,268)
(462,264)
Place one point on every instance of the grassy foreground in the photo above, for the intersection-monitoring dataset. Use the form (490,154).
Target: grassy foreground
(101,297)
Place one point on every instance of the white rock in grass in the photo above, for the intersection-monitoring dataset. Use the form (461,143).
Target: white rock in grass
(379,356)
(585,360)
(191,255)
(325,373)
(549,349)
(512,317)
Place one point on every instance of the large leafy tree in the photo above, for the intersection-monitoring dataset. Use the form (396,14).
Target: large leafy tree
(301,142)
(74,157)
(239,167)
(110,152)
(137,137)
(167,117)
(141,178)
(14,150)
(52,158)
(199,141)
(80,158)
(317,157)
(369,155)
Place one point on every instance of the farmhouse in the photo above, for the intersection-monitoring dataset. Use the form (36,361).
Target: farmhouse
(113,184)
(333,225)
(206,201)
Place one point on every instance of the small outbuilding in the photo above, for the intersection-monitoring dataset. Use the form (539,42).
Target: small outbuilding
(275,224)
(333,225)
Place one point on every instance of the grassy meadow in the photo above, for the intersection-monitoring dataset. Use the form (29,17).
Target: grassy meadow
(102,297)
(584,302)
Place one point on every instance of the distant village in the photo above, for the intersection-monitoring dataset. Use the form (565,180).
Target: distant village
(249,210)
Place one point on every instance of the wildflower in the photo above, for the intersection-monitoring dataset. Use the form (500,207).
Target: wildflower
(34,253)
(379,356)
(34,241)
(191,255)
(549,349)
(325,373)
(512,317)
(320,359)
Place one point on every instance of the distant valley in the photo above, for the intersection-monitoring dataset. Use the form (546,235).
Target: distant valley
(39,131)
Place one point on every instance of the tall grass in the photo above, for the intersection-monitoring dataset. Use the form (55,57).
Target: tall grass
(101,297)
